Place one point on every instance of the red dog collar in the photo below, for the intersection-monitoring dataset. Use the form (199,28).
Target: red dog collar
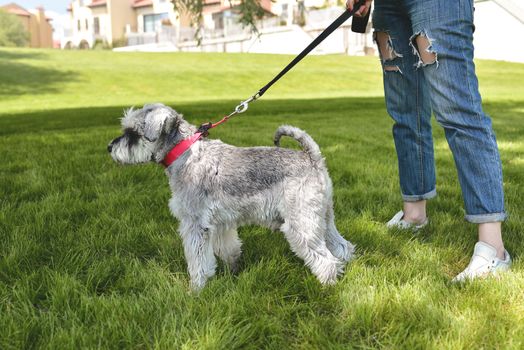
(186,144)
(180,148)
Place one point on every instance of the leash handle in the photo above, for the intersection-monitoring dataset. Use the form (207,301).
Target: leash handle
(330,29)
(360,24)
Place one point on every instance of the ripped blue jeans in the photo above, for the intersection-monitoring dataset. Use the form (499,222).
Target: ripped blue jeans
(426,49)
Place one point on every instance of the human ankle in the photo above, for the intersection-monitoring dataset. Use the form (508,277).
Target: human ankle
(491,234)
(415,212)
(501,252)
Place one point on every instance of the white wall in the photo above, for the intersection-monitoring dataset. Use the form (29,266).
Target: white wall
(498,34)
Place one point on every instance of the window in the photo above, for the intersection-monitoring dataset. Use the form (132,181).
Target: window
(96,25)
(218,18)
(87,25)
(284,11)
(78,25)
(153,22)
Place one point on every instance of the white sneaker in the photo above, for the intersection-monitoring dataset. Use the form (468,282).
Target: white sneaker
(484,263)
(398,222)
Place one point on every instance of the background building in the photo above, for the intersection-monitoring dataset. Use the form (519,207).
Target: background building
(111,22)
(35,22)
(286,27)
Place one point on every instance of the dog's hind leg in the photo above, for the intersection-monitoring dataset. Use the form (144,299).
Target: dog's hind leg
(305,229)
(313,250)
(227,246)
(337,245)
(201,262)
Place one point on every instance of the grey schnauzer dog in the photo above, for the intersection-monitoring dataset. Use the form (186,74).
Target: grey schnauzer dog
(217,187)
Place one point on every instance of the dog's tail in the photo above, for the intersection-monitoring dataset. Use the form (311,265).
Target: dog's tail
(306,141)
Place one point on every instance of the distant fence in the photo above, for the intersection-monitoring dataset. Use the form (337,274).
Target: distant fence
(322,17)
(142,38)
(276,36)
(187,34)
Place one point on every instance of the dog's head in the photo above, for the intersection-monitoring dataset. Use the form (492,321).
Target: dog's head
(149,133)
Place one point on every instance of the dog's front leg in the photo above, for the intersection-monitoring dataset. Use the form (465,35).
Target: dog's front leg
(201,262)
(228,247)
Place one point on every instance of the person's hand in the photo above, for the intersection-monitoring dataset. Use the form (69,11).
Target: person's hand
(362,11)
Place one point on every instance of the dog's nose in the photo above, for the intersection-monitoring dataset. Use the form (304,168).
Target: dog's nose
(110,147)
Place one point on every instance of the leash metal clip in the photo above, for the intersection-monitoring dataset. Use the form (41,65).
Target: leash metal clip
(244,105)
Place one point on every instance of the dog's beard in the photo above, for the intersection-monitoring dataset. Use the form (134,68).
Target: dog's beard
(136,152)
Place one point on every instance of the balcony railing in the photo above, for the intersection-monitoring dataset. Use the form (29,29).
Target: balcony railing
(141,38)
(184,37)
(186,34)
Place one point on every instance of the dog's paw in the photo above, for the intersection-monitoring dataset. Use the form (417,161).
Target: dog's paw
(328,270)
(343,250)
(196,285)
(234,267)
(349,252)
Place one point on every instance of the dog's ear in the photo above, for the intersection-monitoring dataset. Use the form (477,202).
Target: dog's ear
(157,121)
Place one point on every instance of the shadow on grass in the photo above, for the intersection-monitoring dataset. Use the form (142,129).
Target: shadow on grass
(354,133)
(317,110)
(20,78)
(507,116)
(18,55)
(367,114)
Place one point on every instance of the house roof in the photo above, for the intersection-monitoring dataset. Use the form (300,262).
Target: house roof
(97,3)
(142,3)
(14,9)
(267,6)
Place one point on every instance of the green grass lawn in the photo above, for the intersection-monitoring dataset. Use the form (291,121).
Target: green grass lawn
(90,257)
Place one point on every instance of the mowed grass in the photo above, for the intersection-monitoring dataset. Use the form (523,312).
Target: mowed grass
(90,257)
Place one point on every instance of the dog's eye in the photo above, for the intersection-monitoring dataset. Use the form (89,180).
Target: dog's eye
(132,136)
(130,131)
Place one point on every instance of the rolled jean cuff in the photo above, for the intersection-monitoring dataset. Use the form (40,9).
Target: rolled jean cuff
(484,218)
(419,197)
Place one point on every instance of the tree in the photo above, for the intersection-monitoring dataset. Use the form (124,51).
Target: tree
(12,32)
(249,10)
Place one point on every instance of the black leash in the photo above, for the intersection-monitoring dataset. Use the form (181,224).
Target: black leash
(243,106)
(332,27)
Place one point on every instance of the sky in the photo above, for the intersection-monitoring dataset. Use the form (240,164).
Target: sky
(58,6)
